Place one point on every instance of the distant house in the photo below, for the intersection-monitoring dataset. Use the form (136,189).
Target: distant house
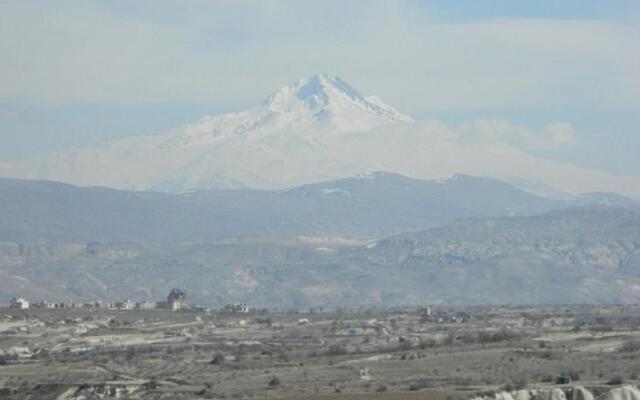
(68,304)
(238,308)
(44,304)
(145,305)
(177,300)
(98,304)
(241,308)
(125,305)
(20,303)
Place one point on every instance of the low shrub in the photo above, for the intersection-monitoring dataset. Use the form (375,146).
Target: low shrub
(630,346)
(381,388)
(615,380)
(274,381)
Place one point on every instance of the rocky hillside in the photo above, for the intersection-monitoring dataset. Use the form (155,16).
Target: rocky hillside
(580,255)
(574,255)
(629,392)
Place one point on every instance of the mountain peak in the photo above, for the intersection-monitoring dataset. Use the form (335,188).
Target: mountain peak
(331,100)
(315,91)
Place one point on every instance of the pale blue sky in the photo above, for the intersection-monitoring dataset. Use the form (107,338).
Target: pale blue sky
(79,72)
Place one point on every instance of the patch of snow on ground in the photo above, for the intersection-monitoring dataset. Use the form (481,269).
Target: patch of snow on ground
(336,191)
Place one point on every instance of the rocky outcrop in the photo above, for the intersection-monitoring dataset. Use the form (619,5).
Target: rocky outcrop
(624,393)
(572,393)
(580,393)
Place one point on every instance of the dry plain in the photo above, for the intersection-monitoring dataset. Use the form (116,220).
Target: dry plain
(348,354)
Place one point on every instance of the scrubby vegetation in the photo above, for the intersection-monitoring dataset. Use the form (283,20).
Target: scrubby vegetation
(379,352)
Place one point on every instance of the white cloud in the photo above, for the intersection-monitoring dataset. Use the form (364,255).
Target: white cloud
(558,134)
(236,53)
(496,130)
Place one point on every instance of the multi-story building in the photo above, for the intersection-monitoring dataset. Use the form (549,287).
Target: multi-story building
(19,302)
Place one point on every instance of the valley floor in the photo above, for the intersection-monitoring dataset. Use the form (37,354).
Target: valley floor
(451,354)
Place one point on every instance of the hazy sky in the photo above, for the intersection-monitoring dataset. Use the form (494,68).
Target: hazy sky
(561,77)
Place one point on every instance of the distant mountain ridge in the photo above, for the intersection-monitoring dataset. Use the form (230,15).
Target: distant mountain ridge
(370,206)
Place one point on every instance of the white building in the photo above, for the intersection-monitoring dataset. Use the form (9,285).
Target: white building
(42,304)
(238,308)
(19,302)
(241,308)
(125,305)
(145,305)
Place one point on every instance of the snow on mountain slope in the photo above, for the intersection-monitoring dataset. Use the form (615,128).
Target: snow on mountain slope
(229,151)
(311,106)
(313,130)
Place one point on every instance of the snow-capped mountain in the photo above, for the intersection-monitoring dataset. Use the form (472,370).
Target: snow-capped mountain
(315,129)
(311,106)
(329,103)
(253,148)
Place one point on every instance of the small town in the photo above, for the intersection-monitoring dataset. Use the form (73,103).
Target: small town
(171,350)
(176,301)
